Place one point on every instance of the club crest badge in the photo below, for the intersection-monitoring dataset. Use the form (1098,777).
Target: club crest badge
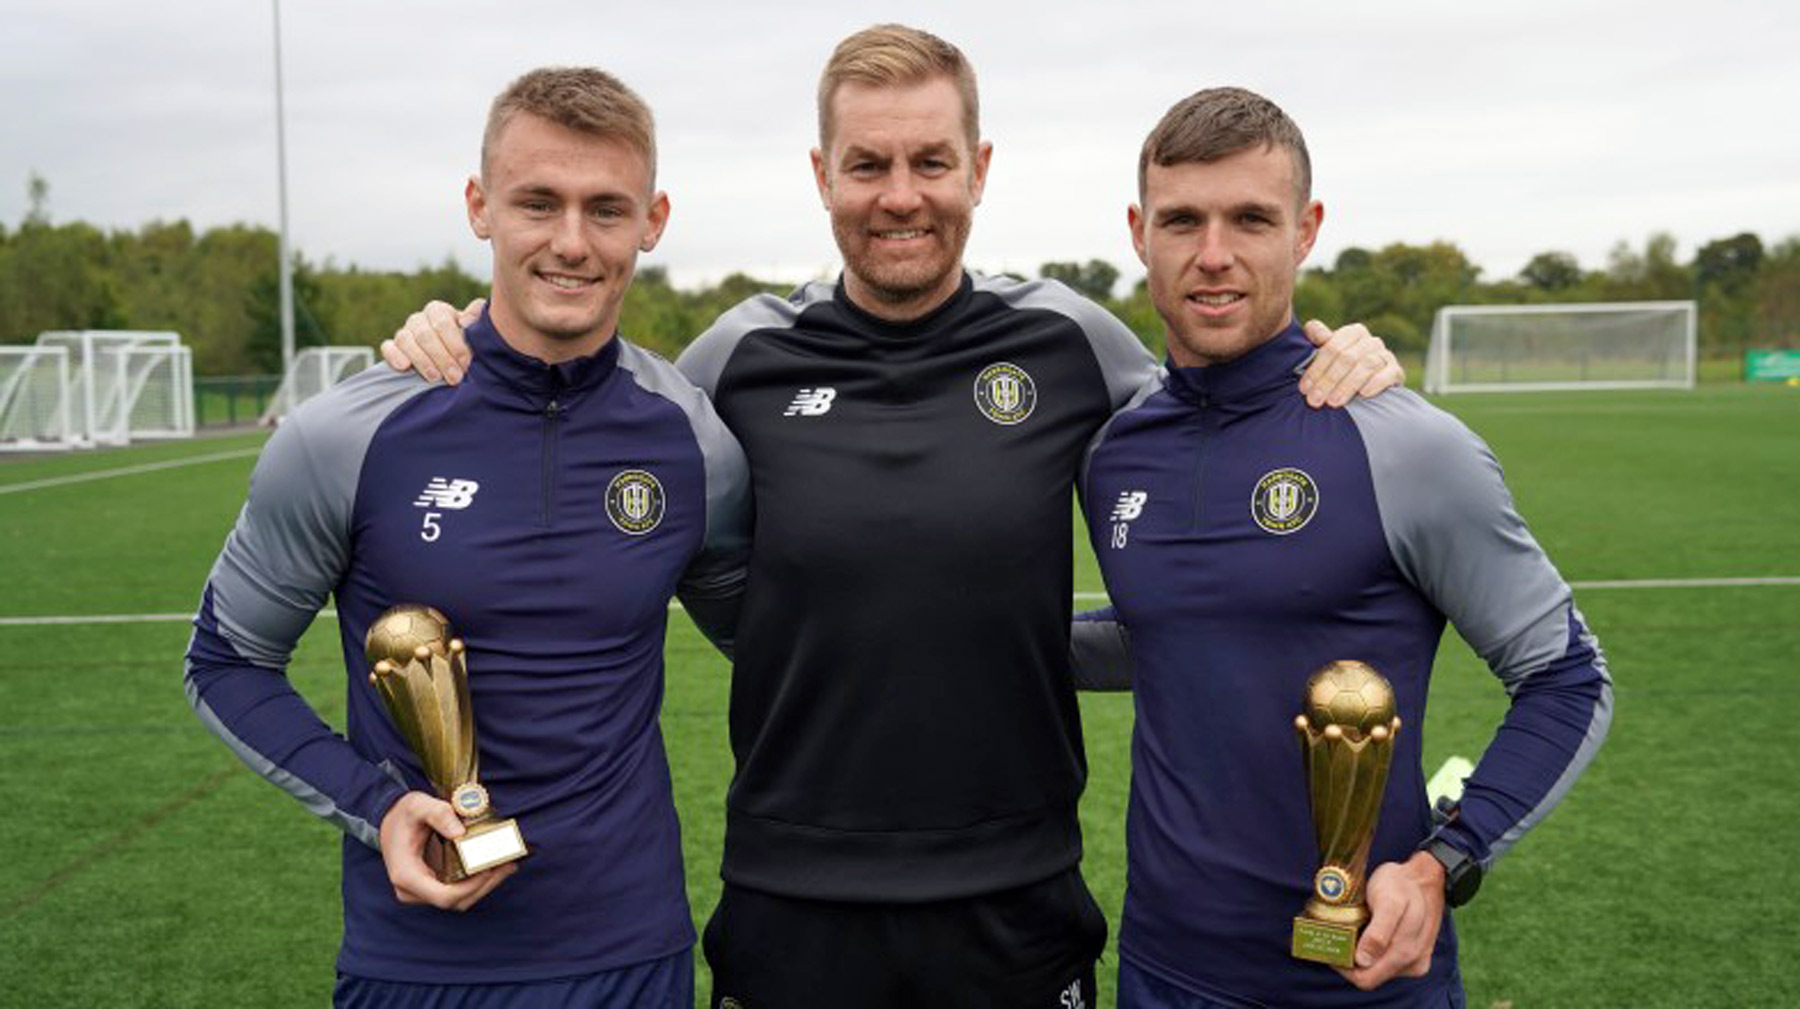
(1005,394)
(1284,501)
(634,502)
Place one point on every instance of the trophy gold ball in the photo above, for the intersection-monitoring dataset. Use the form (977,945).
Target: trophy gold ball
(1346,727)
(420,671)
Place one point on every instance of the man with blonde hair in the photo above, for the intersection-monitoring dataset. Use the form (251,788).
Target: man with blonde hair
(901,829)
(549,505)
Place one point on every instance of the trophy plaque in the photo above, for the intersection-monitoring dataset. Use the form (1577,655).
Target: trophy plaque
(1346,733)
(422,675)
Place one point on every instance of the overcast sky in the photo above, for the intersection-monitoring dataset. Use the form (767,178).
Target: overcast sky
(1509,128)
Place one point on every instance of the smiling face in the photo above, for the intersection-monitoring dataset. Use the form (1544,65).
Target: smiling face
(901,184)
(1221,241)
(567,212)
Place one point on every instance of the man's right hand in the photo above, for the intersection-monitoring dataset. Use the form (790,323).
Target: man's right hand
(404,831)
(432,341)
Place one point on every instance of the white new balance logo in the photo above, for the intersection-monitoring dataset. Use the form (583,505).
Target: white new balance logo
(1130,506)
(450,495)
(811,402)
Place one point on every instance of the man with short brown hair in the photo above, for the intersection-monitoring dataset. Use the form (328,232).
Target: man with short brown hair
(1247,542)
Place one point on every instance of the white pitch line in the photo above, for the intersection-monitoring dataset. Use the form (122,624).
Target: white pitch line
(1080,597)
(1689,583)
(149,467)
(1642,583)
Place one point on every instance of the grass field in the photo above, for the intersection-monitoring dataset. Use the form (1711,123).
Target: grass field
(150,868)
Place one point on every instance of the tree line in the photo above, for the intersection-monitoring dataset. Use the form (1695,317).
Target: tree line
(219,289)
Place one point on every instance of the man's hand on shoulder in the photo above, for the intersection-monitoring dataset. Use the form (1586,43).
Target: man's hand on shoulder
(406,828)
(1406,907)
(1351,362)
(432,341)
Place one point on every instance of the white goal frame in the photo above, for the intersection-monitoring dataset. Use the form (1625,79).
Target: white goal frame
(34,399)
(1446,373)
(109,373)
(315,369)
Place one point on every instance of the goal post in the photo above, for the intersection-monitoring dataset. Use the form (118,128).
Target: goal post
(1533,348)
(126,383)
(315,369)
(144,391)
(34,399)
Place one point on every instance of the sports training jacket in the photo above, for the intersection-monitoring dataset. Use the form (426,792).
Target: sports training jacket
(550,512)
(1248,540)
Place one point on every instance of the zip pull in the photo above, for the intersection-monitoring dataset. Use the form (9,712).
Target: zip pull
(552,409)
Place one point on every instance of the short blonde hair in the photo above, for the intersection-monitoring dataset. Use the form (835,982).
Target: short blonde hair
(890,55)
(584,99)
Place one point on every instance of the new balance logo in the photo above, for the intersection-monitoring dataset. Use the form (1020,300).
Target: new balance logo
(450,495)
(811,402)
(1130,506)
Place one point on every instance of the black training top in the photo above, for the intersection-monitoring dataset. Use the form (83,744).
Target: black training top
(902,715)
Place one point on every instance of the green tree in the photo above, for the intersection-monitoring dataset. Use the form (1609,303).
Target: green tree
(1551,272)
(1093,279)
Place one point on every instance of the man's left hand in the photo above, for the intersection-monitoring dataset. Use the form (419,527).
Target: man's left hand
(1351,362)
(1406,906)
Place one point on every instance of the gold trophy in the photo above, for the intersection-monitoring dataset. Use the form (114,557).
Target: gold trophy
(423,678)
(1346,740)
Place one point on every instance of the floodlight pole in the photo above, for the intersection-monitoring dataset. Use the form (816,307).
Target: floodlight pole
(286,267)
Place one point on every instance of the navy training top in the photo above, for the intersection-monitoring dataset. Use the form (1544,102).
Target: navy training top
(550,512)
(1248,540)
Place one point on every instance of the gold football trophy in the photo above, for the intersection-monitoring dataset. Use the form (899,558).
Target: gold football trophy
(423,679)
(1347,741)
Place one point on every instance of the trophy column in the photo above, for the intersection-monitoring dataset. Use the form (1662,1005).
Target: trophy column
(1346,731)
(421,672)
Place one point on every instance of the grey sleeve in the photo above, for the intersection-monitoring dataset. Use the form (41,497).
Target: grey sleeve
(1125,363)
(279,565)
(292,538)
(1452,529)
(704,360)
(712,587)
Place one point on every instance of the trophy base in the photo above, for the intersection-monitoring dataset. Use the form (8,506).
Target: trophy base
(485,845)
(1325,942)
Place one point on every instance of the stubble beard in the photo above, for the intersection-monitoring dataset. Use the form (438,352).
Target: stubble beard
(900,283)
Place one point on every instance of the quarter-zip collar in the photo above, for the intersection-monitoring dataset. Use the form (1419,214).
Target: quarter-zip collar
(1264,371)
(533,383)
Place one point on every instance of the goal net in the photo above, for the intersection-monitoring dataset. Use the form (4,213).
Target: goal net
(1526,348)
(34,399)
(125,384)
(315,369)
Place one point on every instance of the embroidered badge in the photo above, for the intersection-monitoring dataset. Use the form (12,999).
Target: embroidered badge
(1284,501)
(1005,394)
(634,502)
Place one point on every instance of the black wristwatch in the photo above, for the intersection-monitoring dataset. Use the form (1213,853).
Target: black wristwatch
(1462,874)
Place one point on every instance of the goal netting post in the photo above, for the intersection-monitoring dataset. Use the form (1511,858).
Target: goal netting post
(315,369)
(34,399)
(1527,348)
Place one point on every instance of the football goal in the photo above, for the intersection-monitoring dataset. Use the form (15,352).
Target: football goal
(315,369)
(1528,348)
(34,399)
(125,384)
